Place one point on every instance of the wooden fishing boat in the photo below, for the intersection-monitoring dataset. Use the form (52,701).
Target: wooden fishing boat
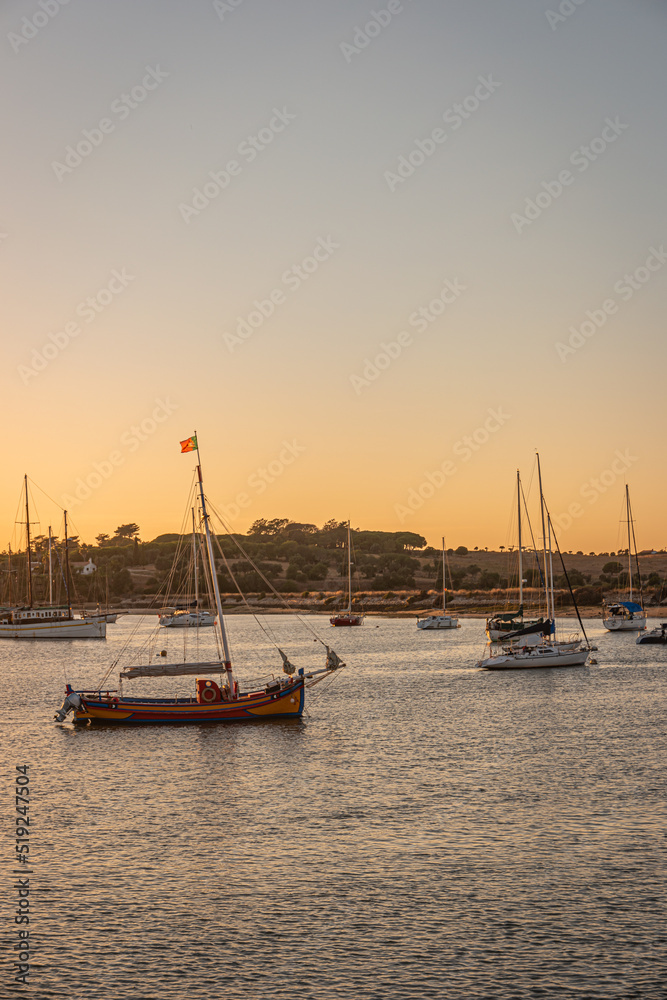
(220,700)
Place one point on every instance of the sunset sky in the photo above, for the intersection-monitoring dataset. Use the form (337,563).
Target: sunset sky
(376,254)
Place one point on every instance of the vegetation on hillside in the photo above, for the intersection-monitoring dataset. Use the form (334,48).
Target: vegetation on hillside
(297,558)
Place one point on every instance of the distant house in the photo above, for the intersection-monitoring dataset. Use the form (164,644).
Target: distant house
(84,568)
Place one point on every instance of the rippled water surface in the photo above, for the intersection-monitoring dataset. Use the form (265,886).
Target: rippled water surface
(427,830)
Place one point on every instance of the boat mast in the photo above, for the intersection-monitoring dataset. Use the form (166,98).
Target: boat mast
(27,529)
(518,507)
(544,538)
(349,571)
(627,507)
(444,589)
(634,546)
(67,572)
(11,597)
(551,571)
(50,571)
(194,559)
(214,578)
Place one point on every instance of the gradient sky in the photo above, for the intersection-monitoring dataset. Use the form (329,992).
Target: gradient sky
(349,103)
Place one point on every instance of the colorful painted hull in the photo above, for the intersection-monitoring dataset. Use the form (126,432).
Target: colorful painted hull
(107,708)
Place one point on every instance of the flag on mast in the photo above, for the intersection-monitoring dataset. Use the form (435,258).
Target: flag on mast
(190,444)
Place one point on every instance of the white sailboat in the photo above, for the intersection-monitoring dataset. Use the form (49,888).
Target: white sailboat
(189,617)
(347,617)
(532,649)
(626,616)
(500,625)
(444,620)
(34,622)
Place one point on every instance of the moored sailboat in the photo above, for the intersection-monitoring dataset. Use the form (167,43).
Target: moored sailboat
(32,621)
(499,626)
(443,621)
(213,701)
(347,617)
(626,616)
(536,646)
(190,617)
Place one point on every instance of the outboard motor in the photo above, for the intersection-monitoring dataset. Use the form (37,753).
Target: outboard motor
(70,704)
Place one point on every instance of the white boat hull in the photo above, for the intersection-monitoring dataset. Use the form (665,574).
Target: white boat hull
(438,622)
(619,624)
(75,628)
(192,619)
(536,657)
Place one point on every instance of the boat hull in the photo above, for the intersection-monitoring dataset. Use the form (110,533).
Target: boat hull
(77,628)
(635,624)
(438,622)
(345,621)
(533,659)
(497,631)
(108,709)
(203,620)
(657,637)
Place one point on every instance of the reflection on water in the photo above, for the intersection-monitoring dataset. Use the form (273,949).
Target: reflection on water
(427,829)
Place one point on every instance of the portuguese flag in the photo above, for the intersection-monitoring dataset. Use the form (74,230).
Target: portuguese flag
(190,444)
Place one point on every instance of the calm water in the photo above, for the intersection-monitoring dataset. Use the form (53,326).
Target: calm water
(427,830)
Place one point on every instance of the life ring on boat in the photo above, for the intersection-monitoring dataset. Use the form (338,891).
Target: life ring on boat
(208,694)
(114,703)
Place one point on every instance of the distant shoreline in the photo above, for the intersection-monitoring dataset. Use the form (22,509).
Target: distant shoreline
(412,613)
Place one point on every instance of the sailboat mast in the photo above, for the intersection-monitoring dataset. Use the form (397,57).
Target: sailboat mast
(214,579)
(551,571)
(50,570)
(627,507)
(195,561)
(67,573)
(349,571)
(11,594)
(444,589)
(518,507)
(544,538)
(27,530)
